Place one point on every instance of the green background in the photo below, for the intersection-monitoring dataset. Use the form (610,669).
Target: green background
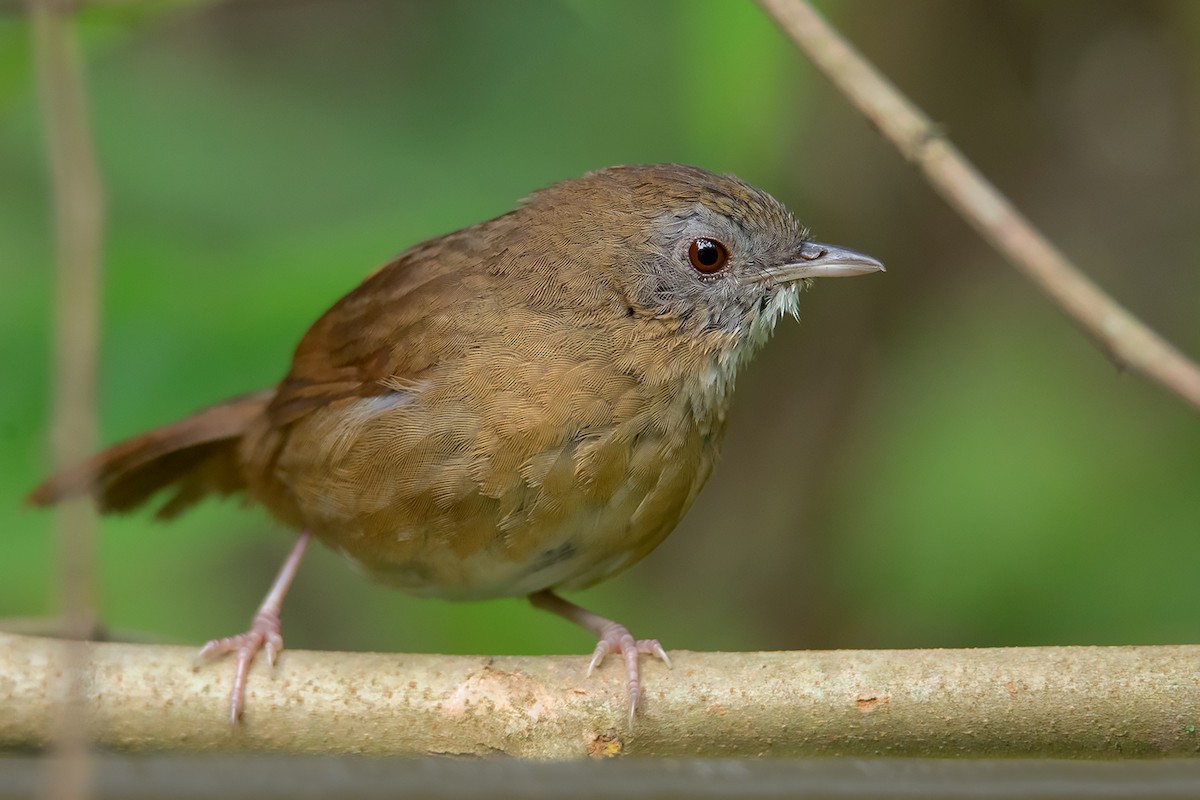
(934,457)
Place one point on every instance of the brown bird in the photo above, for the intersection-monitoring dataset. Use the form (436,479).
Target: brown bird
(525,405)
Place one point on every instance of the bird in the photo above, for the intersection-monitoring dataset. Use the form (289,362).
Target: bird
(522,407)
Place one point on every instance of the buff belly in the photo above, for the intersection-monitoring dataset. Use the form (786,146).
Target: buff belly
(433,517)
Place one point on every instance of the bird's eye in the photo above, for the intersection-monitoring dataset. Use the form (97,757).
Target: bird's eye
(708,256)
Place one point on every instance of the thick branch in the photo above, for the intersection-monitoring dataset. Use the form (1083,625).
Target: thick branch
(1047,702)
(1124,337)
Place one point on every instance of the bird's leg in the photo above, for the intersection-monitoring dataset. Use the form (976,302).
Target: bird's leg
(265,631)
(613,638)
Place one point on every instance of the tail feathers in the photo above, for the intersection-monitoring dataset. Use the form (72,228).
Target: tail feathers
(195,456)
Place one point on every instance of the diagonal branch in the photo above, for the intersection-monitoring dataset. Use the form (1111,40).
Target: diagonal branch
(1127,341)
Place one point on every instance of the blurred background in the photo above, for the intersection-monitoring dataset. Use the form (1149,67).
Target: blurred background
(933,457)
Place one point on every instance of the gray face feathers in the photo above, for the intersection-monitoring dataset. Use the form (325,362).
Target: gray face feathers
(682,243)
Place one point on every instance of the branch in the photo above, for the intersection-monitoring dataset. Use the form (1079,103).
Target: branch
(78,224)
(1045,702)
(1127,341)
(78,227)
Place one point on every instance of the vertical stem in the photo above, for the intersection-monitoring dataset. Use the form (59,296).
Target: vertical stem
(78,218)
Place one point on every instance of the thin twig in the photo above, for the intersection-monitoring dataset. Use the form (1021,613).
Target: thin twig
(1128,341)
(78,218)
(1064,702)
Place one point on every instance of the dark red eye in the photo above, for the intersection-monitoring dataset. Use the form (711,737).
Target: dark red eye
(708,255)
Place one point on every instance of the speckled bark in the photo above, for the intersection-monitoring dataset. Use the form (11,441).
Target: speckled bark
(1051,701)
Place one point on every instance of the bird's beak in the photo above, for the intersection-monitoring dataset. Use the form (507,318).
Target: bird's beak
(817,260)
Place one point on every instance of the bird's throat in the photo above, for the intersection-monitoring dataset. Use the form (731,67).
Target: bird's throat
(711,391)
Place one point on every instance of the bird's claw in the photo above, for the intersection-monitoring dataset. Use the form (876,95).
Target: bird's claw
(265,634)
(617,639)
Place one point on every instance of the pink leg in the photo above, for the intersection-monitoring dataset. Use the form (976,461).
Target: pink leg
(614,638)
(265,631)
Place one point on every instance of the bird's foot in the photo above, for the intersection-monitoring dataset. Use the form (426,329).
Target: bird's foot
(616,639)
(266,634)
(613,638)
(265,631)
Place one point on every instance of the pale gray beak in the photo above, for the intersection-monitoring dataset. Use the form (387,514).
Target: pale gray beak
(817,260)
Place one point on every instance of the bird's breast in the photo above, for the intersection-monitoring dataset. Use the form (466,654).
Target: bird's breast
(516,476)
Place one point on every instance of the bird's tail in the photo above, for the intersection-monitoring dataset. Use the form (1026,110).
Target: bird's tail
(196,456)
